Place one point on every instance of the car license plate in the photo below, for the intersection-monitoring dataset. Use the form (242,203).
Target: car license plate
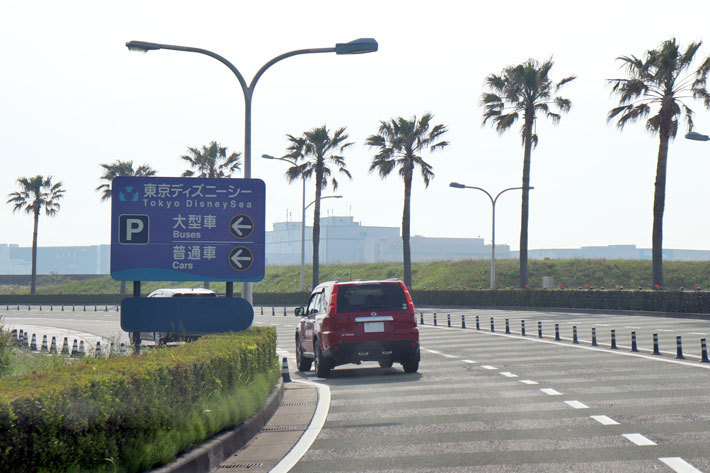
(374,327)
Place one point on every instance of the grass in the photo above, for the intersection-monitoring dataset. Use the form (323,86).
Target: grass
(471,274)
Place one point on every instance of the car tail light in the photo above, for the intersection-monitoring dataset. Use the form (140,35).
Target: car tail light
(410,304)
(333,301)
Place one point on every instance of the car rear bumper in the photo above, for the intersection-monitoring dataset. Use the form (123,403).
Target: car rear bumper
(395,350)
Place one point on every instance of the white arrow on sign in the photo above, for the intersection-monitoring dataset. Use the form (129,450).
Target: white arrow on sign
(238,226)
(237,258)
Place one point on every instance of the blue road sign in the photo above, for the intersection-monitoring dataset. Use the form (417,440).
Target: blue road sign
(186,314)
(187,229)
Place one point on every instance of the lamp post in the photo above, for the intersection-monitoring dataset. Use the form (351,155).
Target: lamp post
(304,213)
(358,46)
(493,222)
(303,217)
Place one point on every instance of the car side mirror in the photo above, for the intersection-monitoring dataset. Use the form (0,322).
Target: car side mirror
(298,311)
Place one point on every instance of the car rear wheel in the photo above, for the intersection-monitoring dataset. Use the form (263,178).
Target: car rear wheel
(303,364)
(322,366)
(411,365)
(386,363)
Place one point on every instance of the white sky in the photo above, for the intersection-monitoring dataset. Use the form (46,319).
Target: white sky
(72,97)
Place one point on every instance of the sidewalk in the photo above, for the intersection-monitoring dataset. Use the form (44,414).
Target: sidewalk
(279,435)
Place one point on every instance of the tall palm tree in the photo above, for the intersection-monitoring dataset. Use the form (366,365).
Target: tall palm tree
(36,193)
(660,81)
(400,143)
(317,149)
(523,91)
(211,161)
(120,168)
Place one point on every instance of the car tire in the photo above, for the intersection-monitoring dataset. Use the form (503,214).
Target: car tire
(303,364)
(386,363)
(322,366)
(411,365)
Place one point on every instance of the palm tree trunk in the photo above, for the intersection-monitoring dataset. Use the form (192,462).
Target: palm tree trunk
(316,228)
(525,206)
(659,200)
(406,217)
(34,252)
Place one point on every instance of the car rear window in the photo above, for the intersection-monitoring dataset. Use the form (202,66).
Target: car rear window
(364,297)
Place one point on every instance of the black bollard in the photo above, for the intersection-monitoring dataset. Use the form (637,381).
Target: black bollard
(704,351)
(463,321)
(421,318)
(557,332)
(539,329)
(656,350)
(478,323)
(522,327)
(493,328)
(448,320)
(507,325)
(594,337)
(273,311)
(613,340)
(435,323)
(679,348)
(574,335)
(634,346)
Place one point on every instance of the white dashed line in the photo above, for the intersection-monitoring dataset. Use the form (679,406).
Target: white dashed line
(448,356)
(550,392)
(604,420)
(527,381)
(488,367)
(577,405)
(664,330)
(698,333)
(638,439)
(679,465)
(434,352)
(469,362)
(508,374)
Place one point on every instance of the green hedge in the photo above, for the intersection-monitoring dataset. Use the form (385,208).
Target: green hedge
(129,413)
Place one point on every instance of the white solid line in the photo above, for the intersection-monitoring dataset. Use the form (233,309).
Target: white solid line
(604,420)
(314,428)
(508,374)
(698,333)
(527,381)
(488,367)
(577,404)
(679,465)
(638,439)
(550,392)
(469,361)
(448,356)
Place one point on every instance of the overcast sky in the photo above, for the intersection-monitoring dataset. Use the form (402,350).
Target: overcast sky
(72,96)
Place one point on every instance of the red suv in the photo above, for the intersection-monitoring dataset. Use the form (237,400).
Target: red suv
(356,321)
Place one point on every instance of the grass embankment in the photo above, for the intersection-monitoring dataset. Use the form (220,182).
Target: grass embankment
(130,413)
(472,274)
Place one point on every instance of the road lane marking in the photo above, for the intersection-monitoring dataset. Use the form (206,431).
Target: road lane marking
(551,392)
(577,405)
(638,439)
(679,465)
(448,356)
(698,333)
(664,330)
(314,428)
(527,381)
(488,367)
(433,351)
(469,361)
(508,374)
(604,420)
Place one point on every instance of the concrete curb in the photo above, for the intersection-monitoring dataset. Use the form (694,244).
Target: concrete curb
(210,454)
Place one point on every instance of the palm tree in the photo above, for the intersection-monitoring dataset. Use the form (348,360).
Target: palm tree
(120,168)
(400,143)
(317,148)
(211,161)
(35,194)
(660,81)
(526,90)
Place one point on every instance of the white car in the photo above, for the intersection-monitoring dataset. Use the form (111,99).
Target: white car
(161,338)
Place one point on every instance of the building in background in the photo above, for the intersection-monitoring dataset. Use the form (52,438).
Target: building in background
(93,259)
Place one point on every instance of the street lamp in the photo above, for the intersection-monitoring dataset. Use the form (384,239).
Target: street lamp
(303,218)
(493,223)
(695,136)
(358,46)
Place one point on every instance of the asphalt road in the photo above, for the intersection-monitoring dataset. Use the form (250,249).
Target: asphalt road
(493,402)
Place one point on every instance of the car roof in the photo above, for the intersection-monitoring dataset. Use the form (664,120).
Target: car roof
(358,282)
(172,292)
